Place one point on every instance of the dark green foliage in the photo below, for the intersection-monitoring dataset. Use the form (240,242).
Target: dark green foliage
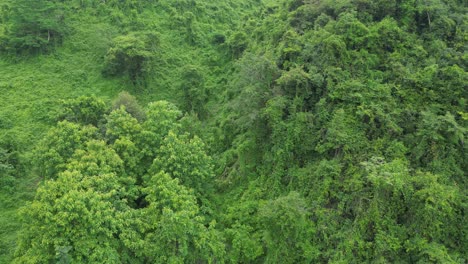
(131,54)
(6,170)
(308,132)
(356,88)
(194,91)
(35,26)
(218,38)
(237,43)
(131,105)
(287,230)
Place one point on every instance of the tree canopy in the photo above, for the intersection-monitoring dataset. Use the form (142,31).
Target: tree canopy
(272,131)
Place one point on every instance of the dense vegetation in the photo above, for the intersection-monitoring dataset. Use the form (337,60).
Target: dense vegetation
(275,131)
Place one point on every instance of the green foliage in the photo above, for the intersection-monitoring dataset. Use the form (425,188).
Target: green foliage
(237,43)
(170,229)
(245,244)
(287,230)
(6,170)
(131,54)
(58,146)
(343,135)
(35,26)
(131,105)
(194,91)
(74,211)
(359,82)
(121,124)
(84,110)
(32,89)
(308,131)
(162,117)
(186,160)
(103,182)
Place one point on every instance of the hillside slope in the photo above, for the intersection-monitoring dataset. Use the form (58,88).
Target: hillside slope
(280,131)
(35,82)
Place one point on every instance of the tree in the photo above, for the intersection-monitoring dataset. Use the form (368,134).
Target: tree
(123,132)
(287,230)
(341,135)
(131,54)
(95,206)
(253,87)
(185,159)
(59,145)
(353,30)
(131,105)
(244,243)
(162,117)
(440,144)
(295,83)
(435,220)
(78,216)
(194,91)
(83,110)
(35,26)
(237,43)
(170,229)
(121,124)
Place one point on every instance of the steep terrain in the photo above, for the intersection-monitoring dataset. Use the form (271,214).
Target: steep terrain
(283,131)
